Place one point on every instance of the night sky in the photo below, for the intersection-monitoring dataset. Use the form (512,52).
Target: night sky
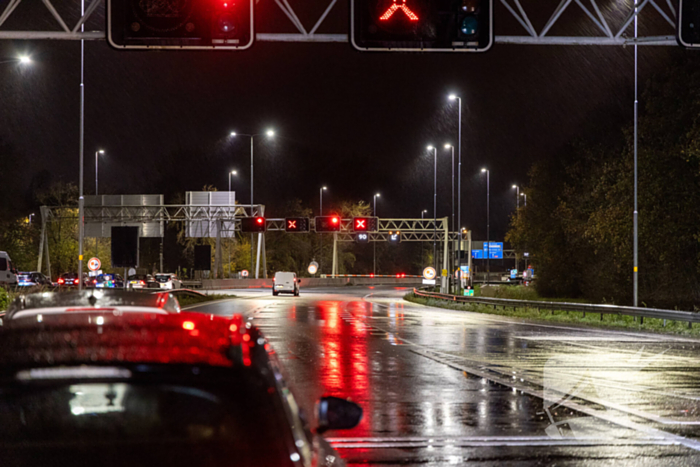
(358,123)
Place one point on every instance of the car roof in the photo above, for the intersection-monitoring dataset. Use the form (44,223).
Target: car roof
(95,299)
(138,337)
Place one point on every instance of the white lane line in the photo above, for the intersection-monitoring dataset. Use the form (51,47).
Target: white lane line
(506,381)
(213,302)
(399,443)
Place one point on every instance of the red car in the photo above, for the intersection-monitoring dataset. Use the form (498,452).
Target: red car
(124,379)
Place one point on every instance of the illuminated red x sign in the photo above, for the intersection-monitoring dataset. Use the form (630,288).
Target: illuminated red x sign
(291,224)
(360,224)
(398,5)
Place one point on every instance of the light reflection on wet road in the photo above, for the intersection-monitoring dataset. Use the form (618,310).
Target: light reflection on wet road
(446,388)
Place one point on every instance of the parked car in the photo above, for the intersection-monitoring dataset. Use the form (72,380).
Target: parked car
(70,280)
(8,274)
(140,281)
(110,385)
(34,278)
(285,282)
(168,281)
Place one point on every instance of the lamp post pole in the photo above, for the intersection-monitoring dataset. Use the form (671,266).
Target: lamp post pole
(320,213)
(434,149)
(459,178)
(97,153)
(233,172)
(422,213)
(454,260)
(270,134)
(488,227)
(374,270)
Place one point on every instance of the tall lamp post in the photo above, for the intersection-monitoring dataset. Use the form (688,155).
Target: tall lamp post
(233,172)
(453,97)
(434,149)
(269,134)
(422,214)
(525,195)
(517,198)
(320,211)
(374,213)
(454,260)
(488,227)
(97,153)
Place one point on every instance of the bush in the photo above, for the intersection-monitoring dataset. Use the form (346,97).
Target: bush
(4,299)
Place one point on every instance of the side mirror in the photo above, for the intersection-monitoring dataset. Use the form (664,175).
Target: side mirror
(334,413)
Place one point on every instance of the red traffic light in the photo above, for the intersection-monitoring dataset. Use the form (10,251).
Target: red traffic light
(328,224)
(253,224)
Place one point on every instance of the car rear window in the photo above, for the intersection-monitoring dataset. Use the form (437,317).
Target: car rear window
(222,421)
(162,277)
(3,264)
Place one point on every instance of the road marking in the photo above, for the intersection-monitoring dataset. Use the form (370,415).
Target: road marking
(505,380)
(477,441)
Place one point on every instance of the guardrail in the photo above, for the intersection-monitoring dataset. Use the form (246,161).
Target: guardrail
(673,315)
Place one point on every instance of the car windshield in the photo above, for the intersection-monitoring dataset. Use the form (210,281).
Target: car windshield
(138,277)
(162,277)
(105,277)
(218,417)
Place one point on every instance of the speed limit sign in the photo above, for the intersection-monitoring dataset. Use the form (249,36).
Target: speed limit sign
(94,264)
(244,273)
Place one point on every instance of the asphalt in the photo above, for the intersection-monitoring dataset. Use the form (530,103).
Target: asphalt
(442,387)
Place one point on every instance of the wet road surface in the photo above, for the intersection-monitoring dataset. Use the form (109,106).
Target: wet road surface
(443,387)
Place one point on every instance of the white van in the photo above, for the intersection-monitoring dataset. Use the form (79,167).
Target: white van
(286,282)
(8,274)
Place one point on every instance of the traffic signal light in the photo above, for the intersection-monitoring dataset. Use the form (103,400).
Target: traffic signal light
(296,224)
(394,237)
(362,237)
(421,25)
(364,224)
(253,224)
(328,223)
(180,24)
(688,25)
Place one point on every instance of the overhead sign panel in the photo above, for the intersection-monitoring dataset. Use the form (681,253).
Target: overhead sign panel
(180,24)
(296,224)
(421,25)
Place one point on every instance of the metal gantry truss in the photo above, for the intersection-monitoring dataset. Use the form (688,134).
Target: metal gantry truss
(609,23)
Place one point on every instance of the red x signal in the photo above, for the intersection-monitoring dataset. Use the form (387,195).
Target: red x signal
(291,224)
(360,224)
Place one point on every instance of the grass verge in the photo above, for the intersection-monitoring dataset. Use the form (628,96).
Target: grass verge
(568,317)
(189,300)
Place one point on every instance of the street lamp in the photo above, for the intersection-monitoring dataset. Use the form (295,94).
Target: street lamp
(320,195)
(434,149)
(233,172)
(453,97)
(488,233)
(374,248)
(269,134)
(21,59)
(525,195)
(422,213)
(517,197)
(97,153)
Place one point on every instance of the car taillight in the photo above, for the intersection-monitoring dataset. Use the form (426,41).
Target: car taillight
(142,283)
(94,281)
(75,281)
(60,281)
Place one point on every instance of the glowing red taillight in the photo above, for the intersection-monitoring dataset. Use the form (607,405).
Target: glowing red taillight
(61,281)
(75,281)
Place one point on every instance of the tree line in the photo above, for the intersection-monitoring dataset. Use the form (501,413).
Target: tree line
(578,223)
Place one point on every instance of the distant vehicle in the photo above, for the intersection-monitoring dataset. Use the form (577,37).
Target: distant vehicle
(108,281)
(70,280)
(140,281)
(31,279)
(114,384)
(168,281)
(8,273)
(285,282)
